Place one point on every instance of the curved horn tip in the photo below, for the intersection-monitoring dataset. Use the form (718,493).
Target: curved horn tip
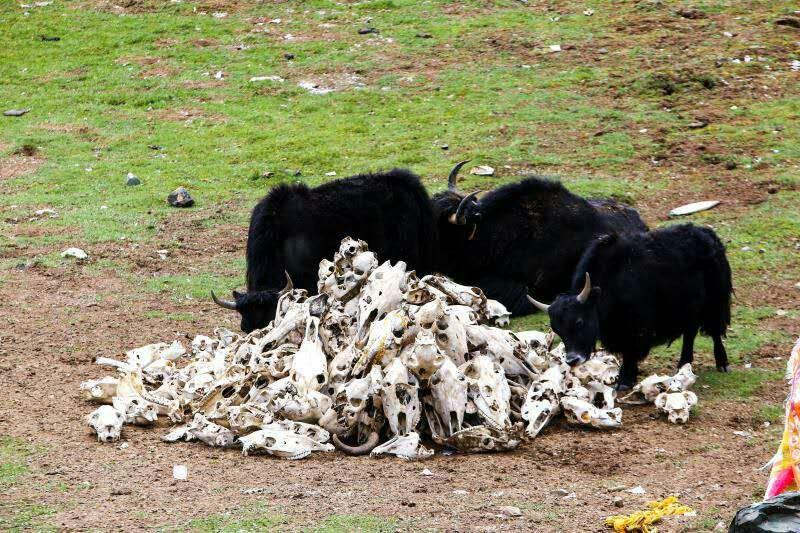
(363,449)
(289,285)
(225,304)
(453,177)
(587,289)
(460,219)
(539,305)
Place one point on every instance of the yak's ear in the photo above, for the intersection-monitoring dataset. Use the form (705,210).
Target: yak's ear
(237,295)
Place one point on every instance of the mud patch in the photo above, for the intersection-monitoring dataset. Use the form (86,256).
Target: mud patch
(17,165)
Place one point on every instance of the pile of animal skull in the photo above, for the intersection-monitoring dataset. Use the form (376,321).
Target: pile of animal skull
(378,355)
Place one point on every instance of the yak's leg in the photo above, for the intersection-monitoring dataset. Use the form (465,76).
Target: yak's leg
(720,355)
(687,351)
(629,371)
(509,293)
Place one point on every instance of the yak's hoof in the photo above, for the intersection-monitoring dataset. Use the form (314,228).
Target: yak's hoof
(723,368)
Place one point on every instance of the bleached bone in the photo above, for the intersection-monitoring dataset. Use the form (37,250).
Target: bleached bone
(202,429)
(449,391)
(457,294)
(312,431)
(246,418)
(485,439)
(400,398)
(100,390)
(497,313)
(384,340)
(275,363)
(106,423)
(309,371)
(451,337)
(489,390)
(466,315)
(501,346)
(582,412)
(292,321)
(676,404)
(382,292)
(423,357)
(538,413)
(340,367)
(281,442)
(149,354)
(417,292)
(647,390)
(136,410)
(683,379)
(601,366)
(403,446)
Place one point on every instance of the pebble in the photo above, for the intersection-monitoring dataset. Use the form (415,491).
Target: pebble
(797,285)
(15,112)
(637,490)
(510,510)
(482,170)
(460,492)
(365,31)
(180,472)
(120,491)
(77,253)
(180,197)
(288,57)
(424,35)
(618,502)
(560,492)
(131,179)
(427,472)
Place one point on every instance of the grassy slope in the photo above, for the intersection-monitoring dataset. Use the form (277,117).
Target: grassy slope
(609,116)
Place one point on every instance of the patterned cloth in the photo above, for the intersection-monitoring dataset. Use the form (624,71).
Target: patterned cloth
(785,472)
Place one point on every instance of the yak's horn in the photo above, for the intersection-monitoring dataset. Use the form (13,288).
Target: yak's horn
(289,285)
(227,304)
(362,449)
(453,177)
(459,218)
(587,288)
(539,305)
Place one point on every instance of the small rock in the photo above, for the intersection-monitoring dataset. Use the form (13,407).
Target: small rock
(797,285)
(693,208)
(618,501)
(162,254)
(746,249)
(49,39)
(720,526)
(155,147)
(52,213)
(460,492)
(444,147)
(132,180)
(588,12)
(510,510)
(424,35)
(76,253)
(688,13)
(697,124)
(570,496)
(288,57)
(482,170)
(554,47)
(781,312)
(180,472)
(744,434)
(120,491)
(427,472)
(15,112)
(365,31)
(792,22)
(123,445)
(559,492)
(331,173)
(180,197)
(730,165)
(638,489)
(748,365)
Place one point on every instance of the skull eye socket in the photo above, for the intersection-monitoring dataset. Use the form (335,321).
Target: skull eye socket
(320,378)
(442,324)
(227,392)
(356,402)
(435,380)
(442,337)
(358,271)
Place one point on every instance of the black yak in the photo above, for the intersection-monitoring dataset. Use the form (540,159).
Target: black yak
(522,238)
(295,226)
(638,291)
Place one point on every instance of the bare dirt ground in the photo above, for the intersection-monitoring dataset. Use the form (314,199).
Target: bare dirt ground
(57,320)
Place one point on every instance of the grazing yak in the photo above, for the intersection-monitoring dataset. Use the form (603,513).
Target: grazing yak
(638,291)
(522,238)
(295,226)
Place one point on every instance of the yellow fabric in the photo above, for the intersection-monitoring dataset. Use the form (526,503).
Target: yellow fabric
(641,520)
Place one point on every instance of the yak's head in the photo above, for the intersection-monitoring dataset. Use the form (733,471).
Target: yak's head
(456,212)
(256,307)
(574,319)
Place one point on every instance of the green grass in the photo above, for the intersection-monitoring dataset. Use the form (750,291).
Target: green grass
(16,516)
(356,523)
(13,455)
(256,518)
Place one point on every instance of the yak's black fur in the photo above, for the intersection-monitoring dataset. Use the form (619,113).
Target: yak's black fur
(528,237)
(295,226)
(648,289)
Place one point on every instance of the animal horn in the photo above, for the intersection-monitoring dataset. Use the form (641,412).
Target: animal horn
(453,177)
(587,288)
(458,218)
(363,449)
(226,304)
(289,285)
(539,305)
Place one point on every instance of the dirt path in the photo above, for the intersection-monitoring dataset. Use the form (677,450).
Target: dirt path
(58,321)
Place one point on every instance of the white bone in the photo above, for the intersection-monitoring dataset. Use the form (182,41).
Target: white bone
(449,391)
(106,423)
(497,313)
(403,446)
(100,390)
(309,370)
(278,441)
(582,412)
(676,405)
(489,390)
(400,398)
